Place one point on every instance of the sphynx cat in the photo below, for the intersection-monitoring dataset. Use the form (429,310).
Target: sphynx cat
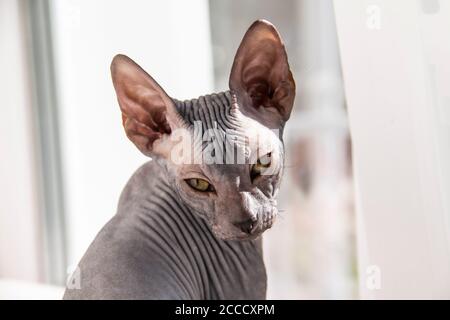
(188,228)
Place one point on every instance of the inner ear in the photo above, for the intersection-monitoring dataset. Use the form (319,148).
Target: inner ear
(260,75)
(148,113)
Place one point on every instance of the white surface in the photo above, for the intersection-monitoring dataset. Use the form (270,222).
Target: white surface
(21,290)
(170,39)
(19,220)
(397,81)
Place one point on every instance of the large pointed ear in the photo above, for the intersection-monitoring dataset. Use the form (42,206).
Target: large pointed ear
(148,113)
(260,76)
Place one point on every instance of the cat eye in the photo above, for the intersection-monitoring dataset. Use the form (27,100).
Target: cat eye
(200,185)
(261,164)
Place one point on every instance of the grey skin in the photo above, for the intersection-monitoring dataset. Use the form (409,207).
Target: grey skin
(170,239)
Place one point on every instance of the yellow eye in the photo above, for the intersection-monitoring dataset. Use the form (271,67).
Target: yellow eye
(262,163)
(199,184)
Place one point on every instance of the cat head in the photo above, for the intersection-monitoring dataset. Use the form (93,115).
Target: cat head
(223,152)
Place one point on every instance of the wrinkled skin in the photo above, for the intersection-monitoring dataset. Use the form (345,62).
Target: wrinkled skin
(177,231)
(237,198)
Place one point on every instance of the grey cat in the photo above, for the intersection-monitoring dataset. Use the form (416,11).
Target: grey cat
(189,229)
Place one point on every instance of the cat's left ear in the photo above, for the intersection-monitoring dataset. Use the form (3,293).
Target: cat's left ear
(261,78)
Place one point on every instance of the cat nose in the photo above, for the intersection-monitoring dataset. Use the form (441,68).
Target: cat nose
(247,226)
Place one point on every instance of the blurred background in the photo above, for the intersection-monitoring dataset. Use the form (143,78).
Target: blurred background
(65,157)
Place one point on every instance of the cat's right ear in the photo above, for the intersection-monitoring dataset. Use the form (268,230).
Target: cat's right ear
(148,113)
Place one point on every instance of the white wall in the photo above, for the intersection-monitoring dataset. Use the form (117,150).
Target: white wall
(397,78)
(19,214)
(172,45)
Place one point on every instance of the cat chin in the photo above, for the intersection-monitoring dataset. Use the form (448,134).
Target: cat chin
(236,236)
(248,237)
(245,237)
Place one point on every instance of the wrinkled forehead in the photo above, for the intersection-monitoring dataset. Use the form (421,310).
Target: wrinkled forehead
(216,115)
(217,133)
(212,111)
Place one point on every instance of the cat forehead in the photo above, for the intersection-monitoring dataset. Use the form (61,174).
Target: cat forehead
(221,112)
(216,130)
(212,111)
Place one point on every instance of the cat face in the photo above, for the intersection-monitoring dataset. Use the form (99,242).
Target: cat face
(223,152)
(234,184)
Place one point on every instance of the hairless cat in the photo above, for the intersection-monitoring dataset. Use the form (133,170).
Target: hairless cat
(189,229)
